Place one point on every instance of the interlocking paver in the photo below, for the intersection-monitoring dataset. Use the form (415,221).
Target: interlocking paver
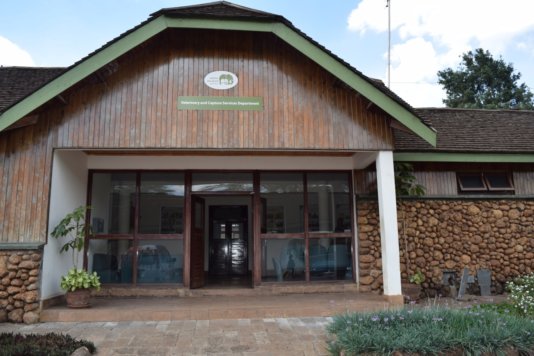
(250,337)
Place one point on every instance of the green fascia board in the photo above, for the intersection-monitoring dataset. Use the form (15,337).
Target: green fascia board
(464,157)
(80,71)
(150,29)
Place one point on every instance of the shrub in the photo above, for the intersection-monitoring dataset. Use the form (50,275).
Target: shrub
(522,294)
(504,308)
(430,331)
(50,344)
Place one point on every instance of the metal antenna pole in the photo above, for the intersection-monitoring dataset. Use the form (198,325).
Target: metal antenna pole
(389,42)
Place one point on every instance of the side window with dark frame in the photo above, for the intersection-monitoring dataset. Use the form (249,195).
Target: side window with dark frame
(485,182)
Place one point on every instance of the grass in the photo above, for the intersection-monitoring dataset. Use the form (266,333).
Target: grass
(50,344)
(430,331)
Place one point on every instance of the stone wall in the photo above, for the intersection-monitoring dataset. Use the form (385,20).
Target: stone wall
(19,285)
(438,235)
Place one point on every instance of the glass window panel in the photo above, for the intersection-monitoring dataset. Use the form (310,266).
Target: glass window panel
(113,203)
(237,231)
(330,259)
(498,181)
(161,203)
(219,232)
(283,260)
(112,260)
(282,202)
(329,202)
(160,261)
(222,182)
(471,182)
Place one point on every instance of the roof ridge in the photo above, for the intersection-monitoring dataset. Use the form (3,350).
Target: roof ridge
(30,67)
(211,4)
(471,109)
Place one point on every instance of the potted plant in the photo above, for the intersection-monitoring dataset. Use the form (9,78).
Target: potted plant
(77,283)
(412,290)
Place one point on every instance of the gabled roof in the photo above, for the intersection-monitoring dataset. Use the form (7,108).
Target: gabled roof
(18,82)
(221,15)
(472,130)
(219,9)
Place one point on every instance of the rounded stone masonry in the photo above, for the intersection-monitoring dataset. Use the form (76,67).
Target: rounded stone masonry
(19,292)
(448,235)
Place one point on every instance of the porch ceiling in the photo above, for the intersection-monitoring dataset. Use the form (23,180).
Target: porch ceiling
(232,160)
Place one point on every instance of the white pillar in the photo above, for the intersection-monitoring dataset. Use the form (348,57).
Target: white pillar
(389,236)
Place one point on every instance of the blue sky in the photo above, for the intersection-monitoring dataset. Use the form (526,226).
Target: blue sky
(428,35)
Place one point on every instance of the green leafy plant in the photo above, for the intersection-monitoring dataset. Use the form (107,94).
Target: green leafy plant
(79,279)
(50,344)
(406,185)
(430,331)
(406,182)
(522,294)
(417,278)
(73,228)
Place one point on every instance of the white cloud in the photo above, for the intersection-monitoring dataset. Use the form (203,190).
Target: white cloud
(414,66)
(434,33)
(13,55)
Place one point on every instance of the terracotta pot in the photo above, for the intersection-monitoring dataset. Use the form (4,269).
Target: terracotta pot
(411,291)
(79,298)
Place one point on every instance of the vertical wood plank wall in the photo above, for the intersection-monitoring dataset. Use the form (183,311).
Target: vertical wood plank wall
(524,183)
(132,104)
(436,183)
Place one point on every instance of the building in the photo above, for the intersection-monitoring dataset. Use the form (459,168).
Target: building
(220,145)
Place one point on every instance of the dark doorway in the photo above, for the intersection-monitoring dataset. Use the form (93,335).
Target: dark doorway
(228,242)
(197,242)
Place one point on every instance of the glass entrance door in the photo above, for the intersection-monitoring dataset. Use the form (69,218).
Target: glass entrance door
(228,241)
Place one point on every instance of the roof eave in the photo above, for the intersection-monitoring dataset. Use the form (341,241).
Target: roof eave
(465,157)
(151,28)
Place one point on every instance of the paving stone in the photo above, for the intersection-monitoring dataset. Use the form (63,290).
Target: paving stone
(214,337)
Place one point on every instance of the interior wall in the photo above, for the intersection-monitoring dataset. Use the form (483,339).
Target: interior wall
(68,191)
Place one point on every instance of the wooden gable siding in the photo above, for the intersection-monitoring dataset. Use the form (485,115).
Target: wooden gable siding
(305,107)
(25,163)
(132,104)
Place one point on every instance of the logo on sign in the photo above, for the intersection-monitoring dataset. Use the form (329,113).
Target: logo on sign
(220,80)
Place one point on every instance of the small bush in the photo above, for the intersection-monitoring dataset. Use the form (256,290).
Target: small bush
(50,344)
(430,331)
(522,294)
(503,308)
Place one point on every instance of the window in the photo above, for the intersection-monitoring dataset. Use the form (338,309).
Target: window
(138,227)
(498,181)
(222,182)
(282,197)
(485,182)
(329,202)
(306,228)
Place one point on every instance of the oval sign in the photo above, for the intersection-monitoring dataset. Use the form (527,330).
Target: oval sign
(221,80)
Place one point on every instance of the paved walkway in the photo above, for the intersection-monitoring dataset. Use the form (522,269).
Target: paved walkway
(270,336)
(218,307)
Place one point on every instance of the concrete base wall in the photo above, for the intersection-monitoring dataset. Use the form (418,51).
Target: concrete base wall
(438,235)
